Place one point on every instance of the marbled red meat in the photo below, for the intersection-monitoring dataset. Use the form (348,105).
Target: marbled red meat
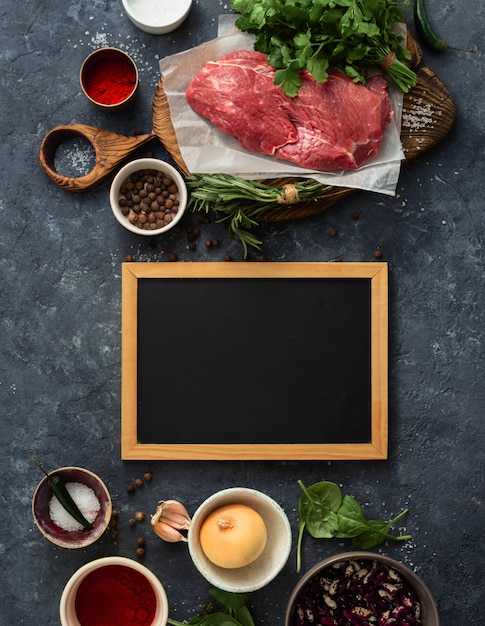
(328,126)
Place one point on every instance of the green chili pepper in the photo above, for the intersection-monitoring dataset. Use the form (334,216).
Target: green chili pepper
(59,489)
(426,32)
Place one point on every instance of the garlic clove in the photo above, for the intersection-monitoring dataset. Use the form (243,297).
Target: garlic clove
(167,532)
(169,518)
(173,513)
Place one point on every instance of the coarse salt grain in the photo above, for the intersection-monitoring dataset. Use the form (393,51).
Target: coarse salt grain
(86,500)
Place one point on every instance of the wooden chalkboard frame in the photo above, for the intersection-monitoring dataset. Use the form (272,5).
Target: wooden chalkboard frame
(375,273)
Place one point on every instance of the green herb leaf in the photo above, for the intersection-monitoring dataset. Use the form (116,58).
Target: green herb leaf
(318,507)
(351,520)
(234,611)
(377,532)
(325,514)
(229,599)
(294,34)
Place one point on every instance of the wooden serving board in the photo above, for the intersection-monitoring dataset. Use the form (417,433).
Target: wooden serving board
(428,115)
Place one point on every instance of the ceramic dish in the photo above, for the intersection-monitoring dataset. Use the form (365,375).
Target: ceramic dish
(130,217)
(157,17)
(274,556)
(140,591)
(356,585)
(68,538)
(109,78)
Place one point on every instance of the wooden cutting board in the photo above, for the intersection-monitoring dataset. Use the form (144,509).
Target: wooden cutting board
(428,115)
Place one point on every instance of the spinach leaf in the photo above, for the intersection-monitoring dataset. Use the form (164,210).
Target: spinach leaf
(323,513)
(351,520)
(377,532)
(234,611)
(318,508)
(229,599)
(317,512)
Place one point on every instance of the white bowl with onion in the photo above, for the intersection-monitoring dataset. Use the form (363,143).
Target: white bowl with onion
(271,560)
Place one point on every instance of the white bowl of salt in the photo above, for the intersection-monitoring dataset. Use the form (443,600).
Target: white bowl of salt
(157,17)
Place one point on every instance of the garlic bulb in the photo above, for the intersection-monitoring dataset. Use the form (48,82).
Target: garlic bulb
(169,519)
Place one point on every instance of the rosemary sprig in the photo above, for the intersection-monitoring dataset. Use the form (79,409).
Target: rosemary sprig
(241,203)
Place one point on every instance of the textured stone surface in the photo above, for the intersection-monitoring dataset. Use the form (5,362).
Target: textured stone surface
(60,259)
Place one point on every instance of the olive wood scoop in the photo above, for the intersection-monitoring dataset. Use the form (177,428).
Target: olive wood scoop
(110,148)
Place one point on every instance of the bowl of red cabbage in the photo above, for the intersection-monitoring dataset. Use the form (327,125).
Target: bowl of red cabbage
(361,588)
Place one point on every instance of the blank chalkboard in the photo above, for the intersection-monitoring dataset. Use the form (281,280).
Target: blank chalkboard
(254,360)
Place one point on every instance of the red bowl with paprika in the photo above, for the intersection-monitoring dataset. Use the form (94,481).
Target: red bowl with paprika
(113,590)
(109,78)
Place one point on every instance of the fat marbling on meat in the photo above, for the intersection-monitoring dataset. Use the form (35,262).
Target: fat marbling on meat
(335,125)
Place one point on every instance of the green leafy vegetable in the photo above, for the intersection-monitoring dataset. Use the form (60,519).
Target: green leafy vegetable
(240,203)
(318,34)
(233,611)
(323,513)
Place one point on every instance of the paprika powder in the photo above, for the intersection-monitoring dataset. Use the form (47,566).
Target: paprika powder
(115,595)
(108,76)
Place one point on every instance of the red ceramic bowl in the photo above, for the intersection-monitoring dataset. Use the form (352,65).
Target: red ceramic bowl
(66,538)
(109,78)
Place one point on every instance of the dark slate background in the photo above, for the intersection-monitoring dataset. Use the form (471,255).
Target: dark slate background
(60,260)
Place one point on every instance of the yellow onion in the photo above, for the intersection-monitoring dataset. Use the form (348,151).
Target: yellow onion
(169,519)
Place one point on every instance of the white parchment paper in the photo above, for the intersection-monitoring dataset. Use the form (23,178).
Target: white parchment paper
(206,149)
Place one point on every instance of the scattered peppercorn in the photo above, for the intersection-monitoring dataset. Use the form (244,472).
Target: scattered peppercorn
(114,534)
(377,254)
(139,516)
(131,521)
(115,513)
(147,476)
(333,232)
(208,243)
(172,256)
(140,552)
(215,243)
(262,258)
(129,258)
(130,488)
(228,258)
(140,541)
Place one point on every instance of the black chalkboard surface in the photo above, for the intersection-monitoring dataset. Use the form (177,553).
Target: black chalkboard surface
(253,361)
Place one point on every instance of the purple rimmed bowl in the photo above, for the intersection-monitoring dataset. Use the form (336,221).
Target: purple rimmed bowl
(69,538)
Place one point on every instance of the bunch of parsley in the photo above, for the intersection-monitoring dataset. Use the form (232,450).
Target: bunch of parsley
(317,35)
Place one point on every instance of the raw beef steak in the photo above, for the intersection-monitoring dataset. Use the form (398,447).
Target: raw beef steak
(328,126)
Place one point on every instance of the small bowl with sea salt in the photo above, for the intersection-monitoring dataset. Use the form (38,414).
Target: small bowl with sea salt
(155,17)
(92,499)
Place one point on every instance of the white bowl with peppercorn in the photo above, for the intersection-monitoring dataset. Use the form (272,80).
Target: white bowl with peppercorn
(148,196)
